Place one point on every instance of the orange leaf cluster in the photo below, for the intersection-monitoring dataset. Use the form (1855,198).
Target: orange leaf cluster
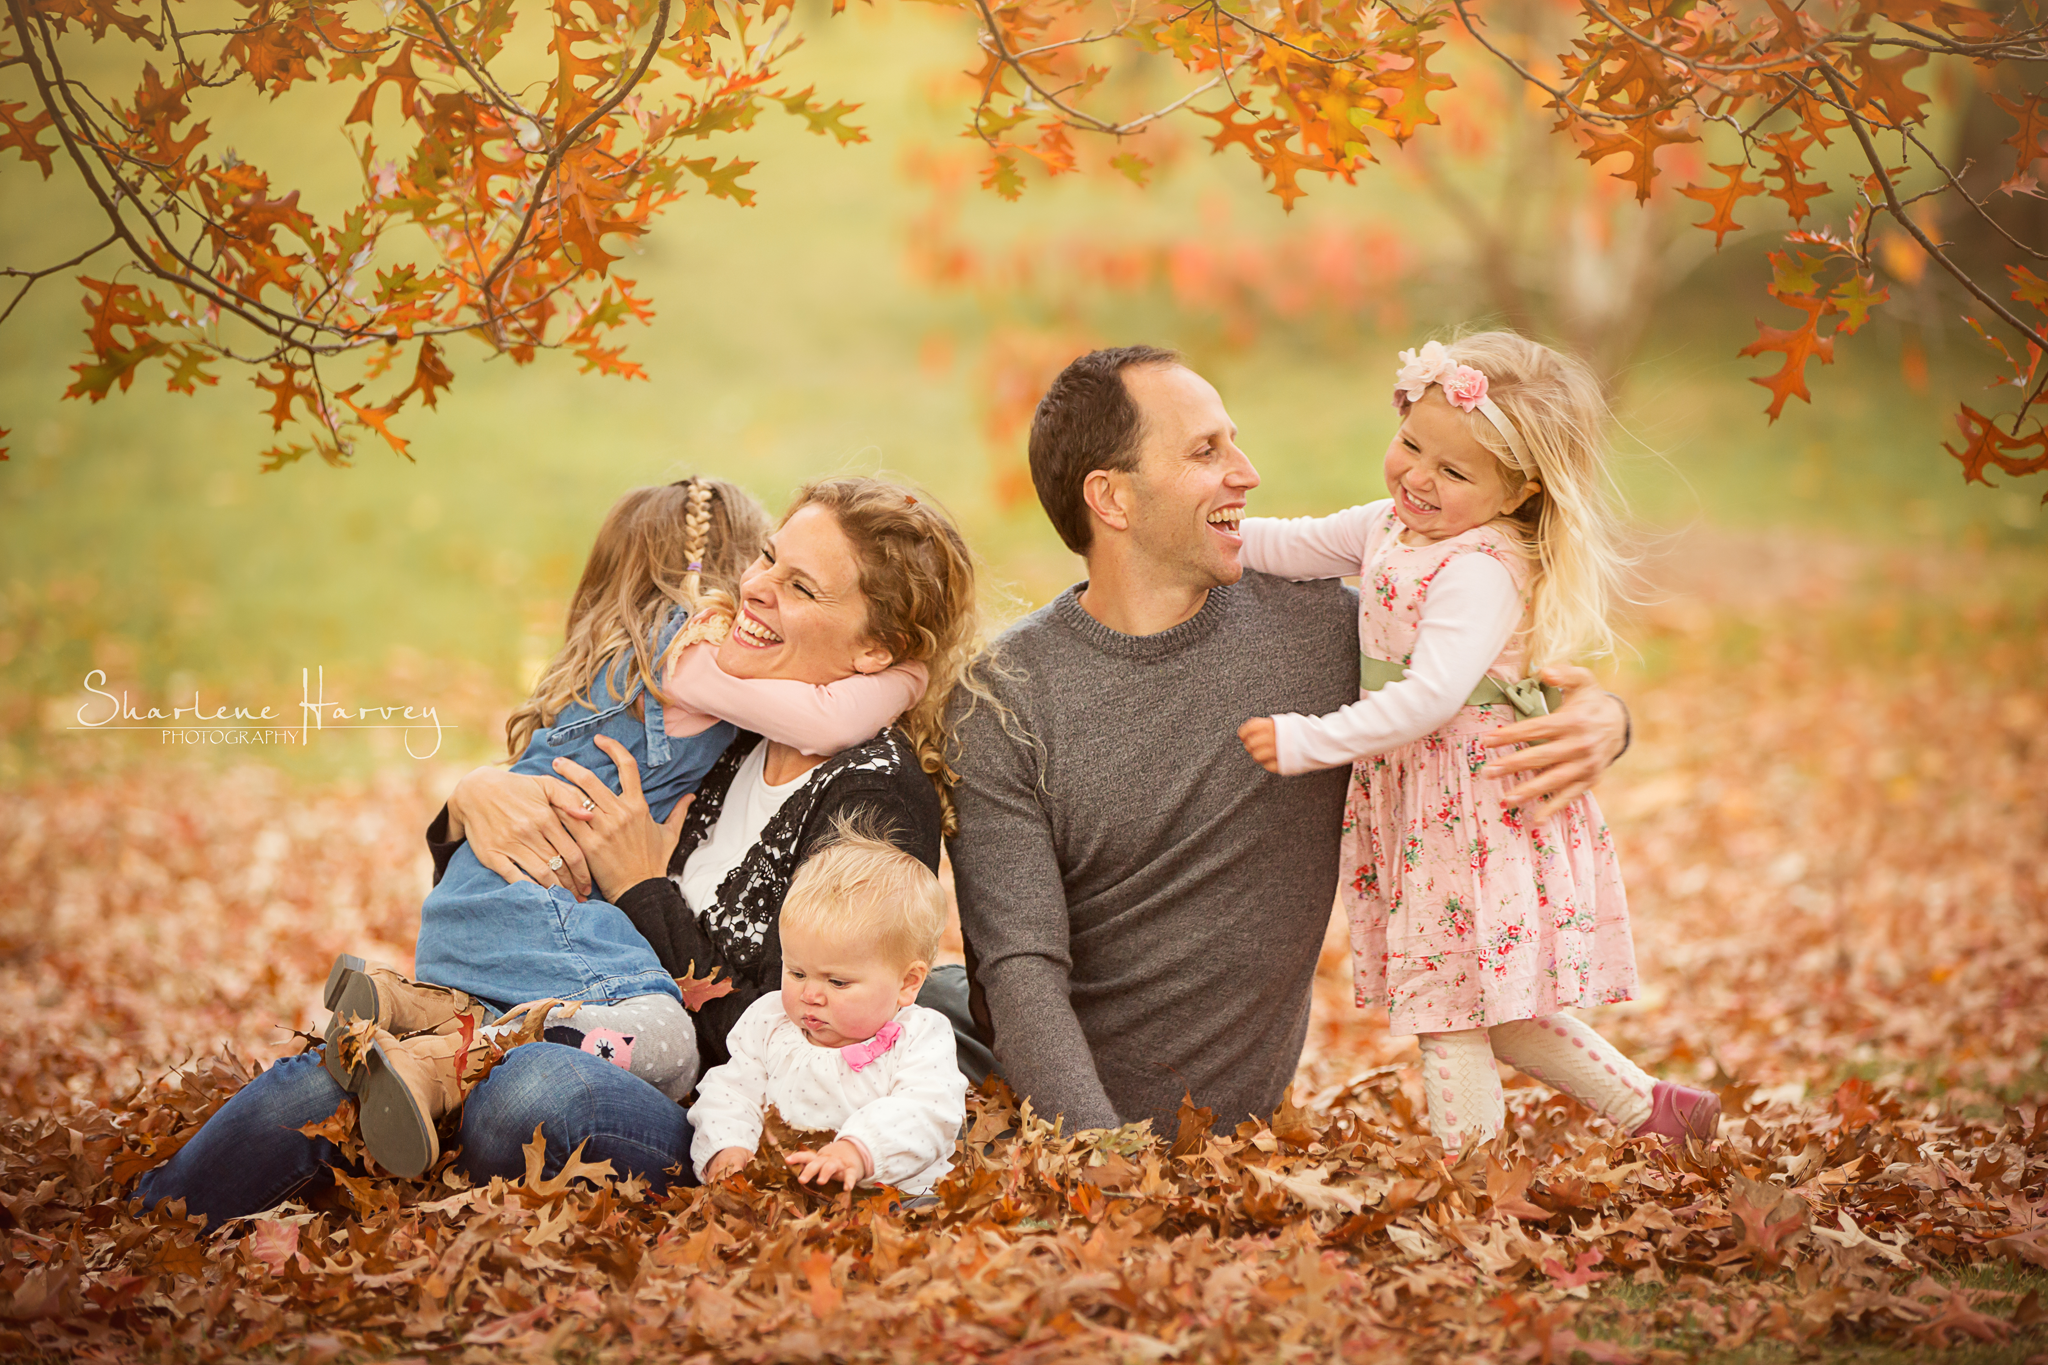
(1833,843)
(1797,281)
(1312,80)
(1307,86)
(485,211)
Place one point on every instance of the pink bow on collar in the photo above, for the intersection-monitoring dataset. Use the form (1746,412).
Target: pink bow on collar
(859,1055)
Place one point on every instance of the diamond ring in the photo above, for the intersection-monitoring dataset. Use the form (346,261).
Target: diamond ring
(555,863)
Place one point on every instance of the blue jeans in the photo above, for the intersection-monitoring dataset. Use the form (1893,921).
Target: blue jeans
(250,1156)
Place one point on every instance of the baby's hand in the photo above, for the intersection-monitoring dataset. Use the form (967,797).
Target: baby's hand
(728,1161)
(843,1160)
(1261,740)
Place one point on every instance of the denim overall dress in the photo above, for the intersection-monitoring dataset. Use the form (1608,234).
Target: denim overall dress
(510,942)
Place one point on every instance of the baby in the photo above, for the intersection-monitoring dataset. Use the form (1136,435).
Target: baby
(842,1047)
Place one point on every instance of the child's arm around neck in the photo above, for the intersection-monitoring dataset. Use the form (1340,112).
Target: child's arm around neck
(817,719)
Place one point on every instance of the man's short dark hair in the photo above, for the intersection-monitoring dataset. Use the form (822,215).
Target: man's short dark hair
(1086,422)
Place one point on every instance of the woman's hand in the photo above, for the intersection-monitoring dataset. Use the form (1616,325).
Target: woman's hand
(619,838)
(1568,749)
(729,1161)
(512,827)
(844,1160)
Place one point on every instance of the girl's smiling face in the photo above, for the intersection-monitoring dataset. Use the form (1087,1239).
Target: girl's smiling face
(1443,481)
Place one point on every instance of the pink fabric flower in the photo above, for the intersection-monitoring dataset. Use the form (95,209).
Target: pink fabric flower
(1465,387)
(859,1055)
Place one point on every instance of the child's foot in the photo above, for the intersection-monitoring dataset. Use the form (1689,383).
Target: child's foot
(1678,1112)
(408,1085)
(393,1003)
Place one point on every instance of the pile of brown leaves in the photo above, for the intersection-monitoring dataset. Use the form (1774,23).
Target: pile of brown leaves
(1834,844)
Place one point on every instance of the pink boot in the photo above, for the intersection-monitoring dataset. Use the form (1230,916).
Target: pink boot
(1678,1112)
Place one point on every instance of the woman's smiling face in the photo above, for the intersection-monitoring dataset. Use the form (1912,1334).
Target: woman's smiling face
(802,614)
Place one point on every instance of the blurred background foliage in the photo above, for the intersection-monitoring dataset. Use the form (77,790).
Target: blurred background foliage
(876,310)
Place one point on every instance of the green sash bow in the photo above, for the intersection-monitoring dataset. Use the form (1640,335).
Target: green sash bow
(1528,696)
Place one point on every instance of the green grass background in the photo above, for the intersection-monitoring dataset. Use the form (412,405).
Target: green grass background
(138,536)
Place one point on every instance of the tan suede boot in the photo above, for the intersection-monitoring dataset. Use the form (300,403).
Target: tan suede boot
(394,1003)
(409,1084)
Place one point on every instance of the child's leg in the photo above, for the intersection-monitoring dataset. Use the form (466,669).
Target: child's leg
(651,1036)
(1560,1051)
(1462,1088)
(397,1004)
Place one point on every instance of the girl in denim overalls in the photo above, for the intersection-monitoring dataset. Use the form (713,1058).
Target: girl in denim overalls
(488,946)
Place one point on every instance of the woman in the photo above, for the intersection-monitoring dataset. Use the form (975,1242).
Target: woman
(859,571)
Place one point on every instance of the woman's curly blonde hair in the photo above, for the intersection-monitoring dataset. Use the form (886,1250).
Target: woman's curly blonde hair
(658,548)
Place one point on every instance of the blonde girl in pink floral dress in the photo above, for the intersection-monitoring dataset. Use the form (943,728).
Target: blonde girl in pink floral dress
(1472,926)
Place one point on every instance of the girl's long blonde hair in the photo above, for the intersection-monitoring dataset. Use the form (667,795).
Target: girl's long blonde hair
(919,581)
(658,548)
(1572,525)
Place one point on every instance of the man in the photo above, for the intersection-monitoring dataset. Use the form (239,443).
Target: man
(1143,905)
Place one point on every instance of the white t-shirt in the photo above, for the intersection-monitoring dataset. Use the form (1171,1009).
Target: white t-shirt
(750,803)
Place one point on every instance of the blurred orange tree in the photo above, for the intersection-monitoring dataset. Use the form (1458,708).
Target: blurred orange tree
(525,141)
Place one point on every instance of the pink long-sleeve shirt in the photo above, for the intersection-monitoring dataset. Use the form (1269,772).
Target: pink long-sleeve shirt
(818,719)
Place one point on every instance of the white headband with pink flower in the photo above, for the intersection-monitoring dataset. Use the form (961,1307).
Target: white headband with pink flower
(1463,386)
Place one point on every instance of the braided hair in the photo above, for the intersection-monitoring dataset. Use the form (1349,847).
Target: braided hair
(658,548)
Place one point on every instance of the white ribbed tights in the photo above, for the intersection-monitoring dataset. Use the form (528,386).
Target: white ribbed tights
(1463,1088)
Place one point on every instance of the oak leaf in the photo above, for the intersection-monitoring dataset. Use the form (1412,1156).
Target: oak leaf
(1723,200)
(273,1244)
(1195,1123)
(1290,1123)
(22,136)
(573,1169)
(699,991)
(1507,1185)
(1576,1276)
(1985,445)
(2030,140)
(1798,345)
(1768,1217)
(1956,1318)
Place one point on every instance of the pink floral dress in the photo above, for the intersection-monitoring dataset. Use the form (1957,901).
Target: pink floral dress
(1462,914)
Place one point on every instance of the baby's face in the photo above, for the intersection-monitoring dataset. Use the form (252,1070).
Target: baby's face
(841,993)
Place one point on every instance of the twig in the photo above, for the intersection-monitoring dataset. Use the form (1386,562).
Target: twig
(28,278)
(1839,86)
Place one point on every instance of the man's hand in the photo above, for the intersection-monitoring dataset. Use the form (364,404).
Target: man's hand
(1568,749)
(728,1161)
(844,1160)
(1261,739)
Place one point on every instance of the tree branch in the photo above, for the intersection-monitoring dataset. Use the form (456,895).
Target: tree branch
(555,154)
(1844,99)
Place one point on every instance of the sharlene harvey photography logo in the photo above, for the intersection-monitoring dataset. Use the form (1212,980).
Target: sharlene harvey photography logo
(241,723)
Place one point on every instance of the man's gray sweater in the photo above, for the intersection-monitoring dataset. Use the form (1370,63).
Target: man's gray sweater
(1143,905)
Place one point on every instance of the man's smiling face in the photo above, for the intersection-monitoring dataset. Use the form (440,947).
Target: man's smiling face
(1188,491)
